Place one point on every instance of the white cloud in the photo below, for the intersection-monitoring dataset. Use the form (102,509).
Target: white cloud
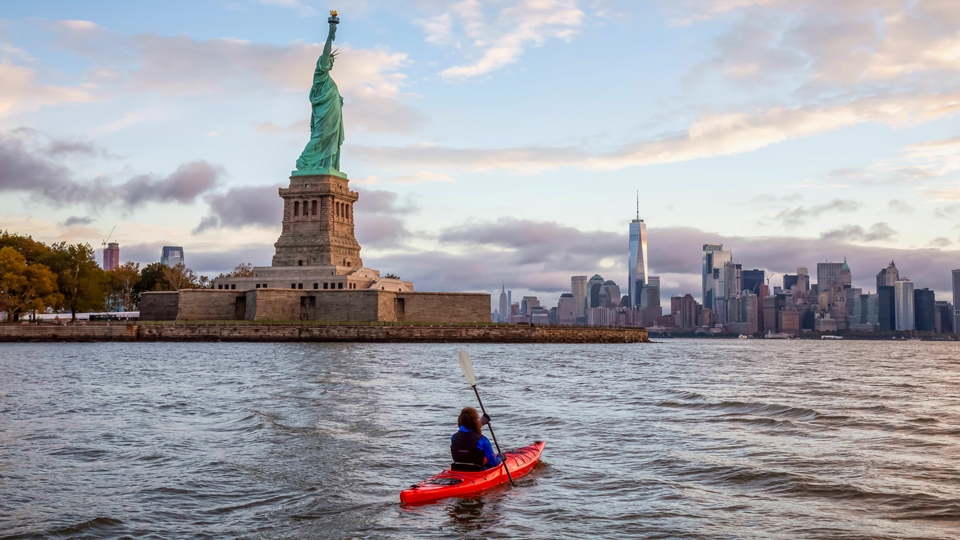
(20,91)
(710,136)
(518,26)
(370,79)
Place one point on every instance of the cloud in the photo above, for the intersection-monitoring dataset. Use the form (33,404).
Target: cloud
(20,91)
(940,242)
(27,165)
(855,233)
(829,44)
(520,25)
(899,207)
(709,136)
(258,206)
(77,220)
(798,216)
(371,79)
(419,177)
(303,10)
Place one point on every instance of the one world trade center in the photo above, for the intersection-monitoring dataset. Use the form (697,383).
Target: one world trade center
(637,266)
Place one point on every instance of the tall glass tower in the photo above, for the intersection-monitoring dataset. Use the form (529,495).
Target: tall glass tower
(637,265)
(708,249)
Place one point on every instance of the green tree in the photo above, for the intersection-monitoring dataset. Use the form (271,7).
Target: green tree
(24,287)
(80,280)
(181,277)
(121,282)
(160,277)
(391,276)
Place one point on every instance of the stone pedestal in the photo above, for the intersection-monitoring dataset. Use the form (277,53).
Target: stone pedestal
(318,223)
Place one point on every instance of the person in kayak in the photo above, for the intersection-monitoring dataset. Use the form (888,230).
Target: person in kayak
(471,451)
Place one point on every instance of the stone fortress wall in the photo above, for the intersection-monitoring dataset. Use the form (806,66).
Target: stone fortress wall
(366,305)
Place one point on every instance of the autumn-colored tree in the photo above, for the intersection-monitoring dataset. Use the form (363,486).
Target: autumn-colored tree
(31,250)
(80,280)
(120,285)
(24,287)
(242,270)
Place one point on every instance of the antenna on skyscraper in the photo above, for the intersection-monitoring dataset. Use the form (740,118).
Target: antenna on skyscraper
(638,205)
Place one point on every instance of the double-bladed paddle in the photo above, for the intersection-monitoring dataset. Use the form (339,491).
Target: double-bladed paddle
(467,368)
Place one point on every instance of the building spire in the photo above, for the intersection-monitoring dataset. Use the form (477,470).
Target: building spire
(638,205)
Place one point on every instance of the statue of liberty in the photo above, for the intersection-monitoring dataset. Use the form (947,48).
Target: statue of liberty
(322,153)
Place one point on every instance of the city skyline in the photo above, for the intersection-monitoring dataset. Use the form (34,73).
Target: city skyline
(741,143)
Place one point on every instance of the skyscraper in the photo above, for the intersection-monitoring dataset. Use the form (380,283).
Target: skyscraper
(887,318)
(752,279)
(578,286)
(111,256)
(708,249)
(956,301)
(827,273)
(172,255)
(593,291)
(715,261)
(888,276)
(924,309)
(504,310)
(903,298)
(637,265)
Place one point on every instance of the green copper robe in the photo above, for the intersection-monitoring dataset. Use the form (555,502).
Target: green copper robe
(326,121)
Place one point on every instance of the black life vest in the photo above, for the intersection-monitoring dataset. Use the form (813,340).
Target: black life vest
(464,451)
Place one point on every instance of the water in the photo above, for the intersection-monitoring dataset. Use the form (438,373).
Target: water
(683,439)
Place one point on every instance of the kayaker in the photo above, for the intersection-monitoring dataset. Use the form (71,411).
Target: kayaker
(471,451)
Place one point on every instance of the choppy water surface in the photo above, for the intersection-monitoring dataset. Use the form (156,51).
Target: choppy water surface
(683,439)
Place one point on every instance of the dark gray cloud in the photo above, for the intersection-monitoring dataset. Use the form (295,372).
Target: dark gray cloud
(855,233)
(792,217)
(77,220)
(259,206)
(538,242)
(29,162)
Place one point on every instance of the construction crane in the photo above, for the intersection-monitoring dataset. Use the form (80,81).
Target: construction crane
(107,239)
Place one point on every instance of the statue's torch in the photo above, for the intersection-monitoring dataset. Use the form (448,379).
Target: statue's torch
(333,17)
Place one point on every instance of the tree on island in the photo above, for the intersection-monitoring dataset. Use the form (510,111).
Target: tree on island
(80,280)
(242,270)
(120,285)
(24,287)
(391,276)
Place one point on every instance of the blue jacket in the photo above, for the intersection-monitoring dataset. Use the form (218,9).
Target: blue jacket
(493,460)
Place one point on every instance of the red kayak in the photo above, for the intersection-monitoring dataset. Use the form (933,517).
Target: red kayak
(451,483)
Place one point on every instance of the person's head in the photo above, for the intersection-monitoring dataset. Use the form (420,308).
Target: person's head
(469,418)
(330,60)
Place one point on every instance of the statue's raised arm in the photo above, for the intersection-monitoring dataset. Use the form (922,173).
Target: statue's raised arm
(322,153)
(328,46)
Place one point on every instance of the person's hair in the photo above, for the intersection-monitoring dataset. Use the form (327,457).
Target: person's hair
(469,417)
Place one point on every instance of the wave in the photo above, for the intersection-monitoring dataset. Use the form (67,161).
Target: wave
(747,407)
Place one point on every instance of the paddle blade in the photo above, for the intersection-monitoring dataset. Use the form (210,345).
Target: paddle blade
(467,368)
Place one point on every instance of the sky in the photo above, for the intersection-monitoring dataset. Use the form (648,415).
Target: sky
(497,141)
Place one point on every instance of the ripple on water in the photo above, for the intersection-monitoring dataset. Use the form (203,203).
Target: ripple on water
(682,439)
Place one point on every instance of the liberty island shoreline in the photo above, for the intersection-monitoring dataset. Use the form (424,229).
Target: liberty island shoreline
(318,332)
